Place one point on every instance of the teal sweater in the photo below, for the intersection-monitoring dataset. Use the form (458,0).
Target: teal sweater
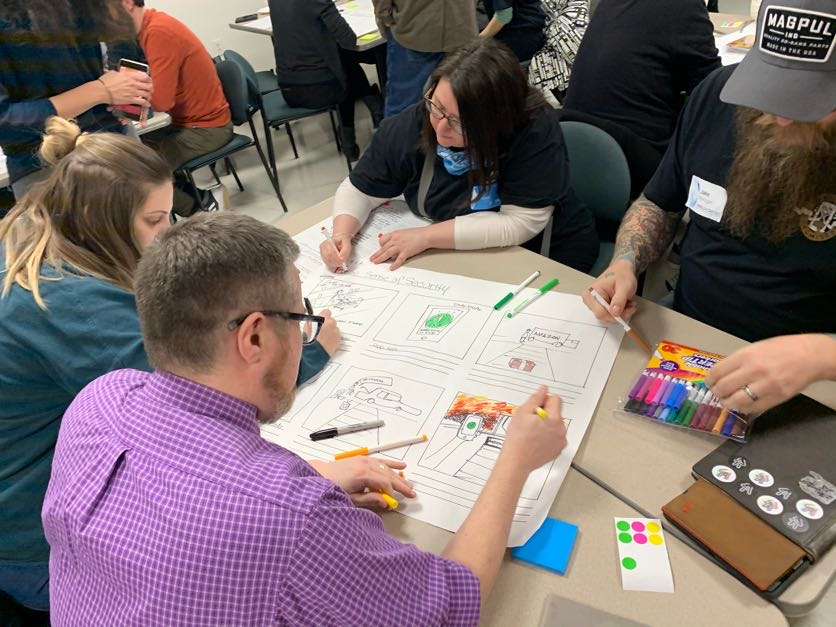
(90,327)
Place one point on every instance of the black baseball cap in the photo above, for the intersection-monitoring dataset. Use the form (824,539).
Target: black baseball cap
(791,69)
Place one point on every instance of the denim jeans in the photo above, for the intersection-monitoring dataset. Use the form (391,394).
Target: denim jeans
(408,71)
(26,582)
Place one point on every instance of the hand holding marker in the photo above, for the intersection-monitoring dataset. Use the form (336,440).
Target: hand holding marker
(635,336)
(327,236)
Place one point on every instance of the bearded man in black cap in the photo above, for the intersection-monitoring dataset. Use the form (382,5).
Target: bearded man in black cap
(754,159)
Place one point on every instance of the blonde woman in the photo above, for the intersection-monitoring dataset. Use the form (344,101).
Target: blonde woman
(68,251)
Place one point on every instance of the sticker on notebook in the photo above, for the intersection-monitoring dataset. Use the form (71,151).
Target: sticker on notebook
(794,522)
(809,509)
(784,493)
(723,473)
(746,488)
(761,478)
(739,462)
(770,505)
(818,487)
(643,555)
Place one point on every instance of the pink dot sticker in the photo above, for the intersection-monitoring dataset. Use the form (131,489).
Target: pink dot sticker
(640,538)
(638,526)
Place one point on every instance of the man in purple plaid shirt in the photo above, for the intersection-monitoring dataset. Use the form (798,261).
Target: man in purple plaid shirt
(166,507)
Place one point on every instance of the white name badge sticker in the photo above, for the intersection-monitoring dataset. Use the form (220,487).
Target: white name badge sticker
(706,199)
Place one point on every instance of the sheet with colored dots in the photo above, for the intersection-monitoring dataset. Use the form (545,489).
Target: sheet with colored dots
(643,555)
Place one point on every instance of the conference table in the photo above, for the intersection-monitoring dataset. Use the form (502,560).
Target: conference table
(635,466)
(157,121)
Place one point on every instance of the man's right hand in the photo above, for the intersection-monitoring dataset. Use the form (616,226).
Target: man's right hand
(532,441)
(617,285)
(336,251)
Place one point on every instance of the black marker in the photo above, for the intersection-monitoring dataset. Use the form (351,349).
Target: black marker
(333,432)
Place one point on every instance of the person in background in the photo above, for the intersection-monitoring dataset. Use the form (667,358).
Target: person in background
(753,157)
(166,506)
(637,60)
(488,152)
(518,24)
(419,33)
(551,66)
(67,315)
(317,64)
(51,63)
(188,88)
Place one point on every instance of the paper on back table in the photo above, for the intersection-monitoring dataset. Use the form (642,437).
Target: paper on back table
(426,353)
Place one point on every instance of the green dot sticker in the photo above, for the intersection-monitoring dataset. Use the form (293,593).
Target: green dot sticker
(623,525)
(629,563)
(626,538)
(471,425)
(438,321)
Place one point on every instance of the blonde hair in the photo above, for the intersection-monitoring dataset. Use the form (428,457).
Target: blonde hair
(82,215)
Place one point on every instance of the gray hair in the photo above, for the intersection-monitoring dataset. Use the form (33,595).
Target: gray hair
(202,273)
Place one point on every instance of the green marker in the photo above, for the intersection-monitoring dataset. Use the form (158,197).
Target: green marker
(548,286)
(517,290)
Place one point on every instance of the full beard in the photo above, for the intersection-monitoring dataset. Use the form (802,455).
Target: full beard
(776,171)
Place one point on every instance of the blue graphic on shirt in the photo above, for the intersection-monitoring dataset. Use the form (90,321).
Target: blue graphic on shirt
(457,162)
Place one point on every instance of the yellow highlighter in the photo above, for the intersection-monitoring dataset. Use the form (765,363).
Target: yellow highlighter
(390,502)
(541,412)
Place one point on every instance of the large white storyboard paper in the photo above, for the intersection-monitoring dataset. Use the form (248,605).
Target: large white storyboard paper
(426,353)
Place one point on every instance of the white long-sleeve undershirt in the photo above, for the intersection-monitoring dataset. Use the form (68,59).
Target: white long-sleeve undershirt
(510,226)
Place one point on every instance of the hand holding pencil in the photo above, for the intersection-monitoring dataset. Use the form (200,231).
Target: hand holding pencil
(532,438)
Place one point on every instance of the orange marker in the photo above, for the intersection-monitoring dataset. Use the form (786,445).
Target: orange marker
(368,450)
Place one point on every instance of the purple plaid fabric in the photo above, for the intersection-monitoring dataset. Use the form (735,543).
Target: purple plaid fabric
(166,507)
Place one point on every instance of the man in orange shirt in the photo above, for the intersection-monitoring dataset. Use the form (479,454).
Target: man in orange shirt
(187,87)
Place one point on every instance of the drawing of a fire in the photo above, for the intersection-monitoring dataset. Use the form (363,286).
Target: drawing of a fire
(490,411)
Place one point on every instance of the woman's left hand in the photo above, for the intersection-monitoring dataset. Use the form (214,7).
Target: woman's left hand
(401,245)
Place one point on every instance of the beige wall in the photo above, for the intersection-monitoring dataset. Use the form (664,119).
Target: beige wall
(210,19)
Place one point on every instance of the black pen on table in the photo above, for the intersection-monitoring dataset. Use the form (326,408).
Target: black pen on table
(333,432)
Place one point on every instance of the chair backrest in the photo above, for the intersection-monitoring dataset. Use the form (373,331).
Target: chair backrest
(598,170)
(249,75)
(235,90)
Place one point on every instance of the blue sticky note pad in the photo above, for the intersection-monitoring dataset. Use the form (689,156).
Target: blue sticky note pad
(550,547)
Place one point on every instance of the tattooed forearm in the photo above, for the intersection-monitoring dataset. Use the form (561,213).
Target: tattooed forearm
(645,233)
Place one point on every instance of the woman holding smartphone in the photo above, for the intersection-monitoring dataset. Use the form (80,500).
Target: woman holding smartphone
(68,252)
(51,63)
(482,156)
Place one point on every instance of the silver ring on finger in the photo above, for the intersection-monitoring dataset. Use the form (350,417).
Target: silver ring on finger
(750,393)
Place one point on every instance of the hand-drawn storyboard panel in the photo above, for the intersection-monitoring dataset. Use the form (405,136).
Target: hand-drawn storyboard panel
(426,353)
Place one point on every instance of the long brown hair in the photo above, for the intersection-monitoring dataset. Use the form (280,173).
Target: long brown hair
(82,214)
(495,103)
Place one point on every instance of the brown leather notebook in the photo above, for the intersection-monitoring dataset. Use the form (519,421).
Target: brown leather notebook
(748,545)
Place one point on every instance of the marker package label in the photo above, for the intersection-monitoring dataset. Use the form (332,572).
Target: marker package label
(671,390)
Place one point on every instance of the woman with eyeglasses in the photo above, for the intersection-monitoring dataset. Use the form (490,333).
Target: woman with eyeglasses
(482,157)
(68,253)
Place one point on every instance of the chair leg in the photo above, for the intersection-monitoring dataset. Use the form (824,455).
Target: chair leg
(334,128)
(271,153)
(274,179)
(215,173)
(292,141)
(234,173)
(339,145)
(197,197)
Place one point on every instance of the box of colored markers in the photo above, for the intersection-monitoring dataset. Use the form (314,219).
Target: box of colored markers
(671,390)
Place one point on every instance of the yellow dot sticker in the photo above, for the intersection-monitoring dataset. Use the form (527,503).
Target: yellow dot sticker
(655,538)
(653,527)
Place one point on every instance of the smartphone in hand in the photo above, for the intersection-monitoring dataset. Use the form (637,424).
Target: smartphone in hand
(133,112)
